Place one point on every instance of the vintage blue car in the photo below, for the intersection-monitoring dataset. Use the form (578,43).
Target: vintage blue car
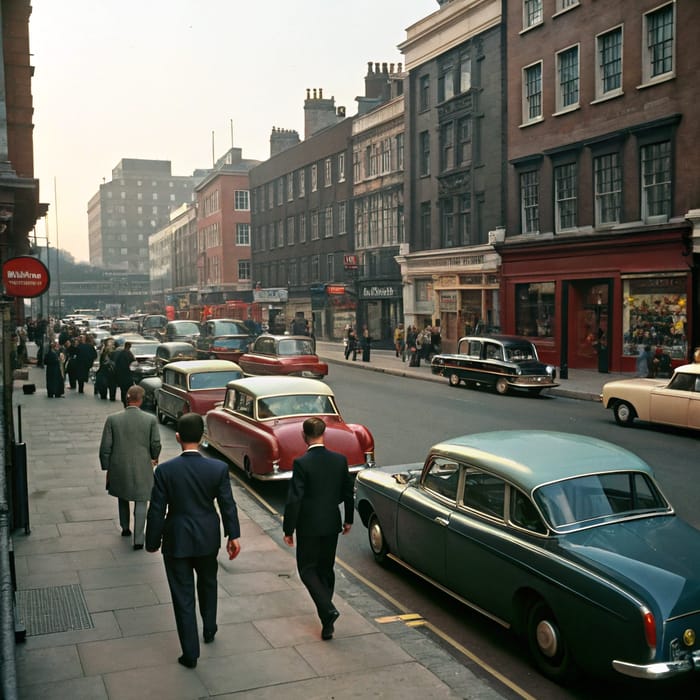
(564,538)
(500,362)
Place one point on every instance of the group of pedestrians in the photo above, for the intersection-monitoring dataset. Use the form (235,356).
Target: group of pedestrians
(72,360)
(355,344)
(183,523)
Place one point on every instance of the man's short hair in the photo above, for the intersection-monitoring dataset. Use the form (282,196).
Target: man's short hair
(190,427)
(314,427)
(135,394)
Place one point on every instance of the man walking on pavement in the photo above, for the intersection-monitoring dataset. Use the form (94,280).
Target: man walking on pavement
(320,481)
(183,522)
(128,453)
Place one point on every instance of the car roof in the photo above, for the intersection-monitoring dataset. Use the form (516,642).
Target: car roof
(280,386)
(202,366)
(498,338)
(530,458)
(693,368)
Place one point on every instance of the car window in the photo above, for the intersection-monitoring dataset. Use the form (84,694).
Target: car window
(493,352)
(232,343)
(298,405)
(265,346)
(586,498)
(484,492)
(168,377)
(682,382)
(474,348)
(518,353)
(524,513)
(239,402)
(213,380)
(227,328)
(442,477)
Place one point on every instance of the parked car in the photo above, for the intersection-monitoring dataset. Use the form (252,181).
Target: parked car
(193,386)
(230,347)
(259,426)
(182,330)
(500,362)
(154,325)
(165,354)
(670,402)
(145,363)
(124,325)
(216,329)
(284,354)
(564,538)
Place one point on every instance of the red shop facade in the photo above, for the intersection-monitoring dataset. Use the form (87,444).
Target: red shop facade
(595,302)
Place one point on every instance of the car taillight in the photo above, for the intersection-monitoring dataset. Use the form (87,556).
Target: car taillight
(649,629)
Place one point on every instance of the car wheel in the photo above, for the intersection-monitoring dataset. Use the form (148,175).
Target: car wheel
(624,414)
(502,386)
(248,468)
(547,644)
(454,379)
(377,542)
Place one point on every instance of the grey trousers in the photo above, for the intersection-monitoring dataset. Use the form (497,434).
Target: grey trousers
(139,518)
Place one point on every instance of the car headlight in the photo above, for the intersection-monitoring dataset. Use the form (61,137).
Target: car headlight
(551,370)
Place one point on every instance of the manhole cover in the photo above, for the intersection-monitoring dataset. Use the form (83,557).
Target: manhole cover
(53,609)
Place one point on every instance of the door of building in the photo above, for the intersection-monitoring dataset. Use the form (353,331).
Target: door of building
(586,323)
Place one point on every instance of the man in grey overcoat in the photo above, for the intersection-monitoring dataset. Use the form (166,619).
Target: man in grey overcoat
(128,453)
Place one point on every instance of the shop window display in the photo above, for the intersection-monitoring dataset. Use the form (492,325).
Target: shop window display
(534,309)
(655,314)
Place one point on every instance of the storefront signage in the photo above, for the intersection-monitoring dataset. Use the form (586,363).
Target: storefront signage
(335,289)
(448,301)
(25,276)
(380,292)
(271,295)
(350,262)
(447,280)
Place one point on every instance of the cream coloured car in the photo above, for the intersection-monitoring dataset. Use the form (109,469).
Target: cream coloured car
(674,401)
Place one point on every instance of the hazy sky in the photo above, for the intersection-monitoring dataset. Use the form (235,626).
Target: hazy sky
(154,78)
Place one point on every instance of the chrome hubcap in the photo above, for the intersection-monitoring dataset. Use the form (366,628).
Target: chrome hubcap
(375,537)
(547,638)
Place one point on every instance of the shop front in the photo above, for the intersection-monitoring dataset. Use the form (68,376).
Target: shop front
(596,304)
(381,310)
(333,307)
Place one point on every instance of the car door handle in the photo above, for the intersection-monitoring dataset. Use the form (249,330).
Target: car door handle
(442,521)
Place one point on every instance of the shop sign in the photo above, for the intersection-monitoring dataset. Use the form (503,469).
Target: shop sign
(271,295)
(335,289)
(447,281)
(350,262)
(380,292)
(448,301)
(25,276)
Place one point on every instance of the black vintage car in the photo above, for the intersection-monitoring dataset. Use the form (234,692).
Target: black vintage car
(501,362)
(215,328)
(165,354)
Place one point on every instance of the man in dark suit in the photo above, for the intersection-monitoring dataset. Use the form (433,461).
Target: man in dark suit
(320,481)
(182,518)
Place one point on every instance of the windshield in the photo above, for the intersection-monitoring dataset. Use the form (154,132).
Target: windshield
(213,380)
(232,343)
(583,499)
(518,353)
(296,347)
(229,328)
(144,348)
(300,405)
(185,328)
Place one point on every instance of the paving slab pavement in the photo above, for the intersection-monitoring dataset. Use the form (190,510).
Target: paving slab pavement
(119,640)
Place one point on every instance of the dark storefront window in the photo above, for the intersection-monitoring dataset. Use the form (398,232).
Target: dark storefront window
(655,313)
(534,309)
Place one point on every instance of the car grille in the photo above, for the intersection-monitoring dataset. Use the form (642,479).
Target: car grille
(535,379)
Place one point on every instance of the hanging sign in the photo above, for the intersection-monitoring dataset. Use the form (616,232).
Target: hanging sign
(25,276)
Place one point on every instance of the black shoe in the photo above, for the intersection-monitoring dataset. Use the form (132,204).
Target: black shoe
(126,533)
(138,546)
(209,638)
(328,625)
(187,663)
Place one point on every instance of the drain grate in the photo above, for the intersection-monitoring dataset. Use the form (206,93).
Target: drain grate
(53,609)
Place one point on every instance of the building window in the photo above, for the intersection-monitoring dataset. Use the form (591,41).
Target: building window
(659,42)
(447,147)
(386,156)
(424,290)
(565,196)
(567,79)
(242,234)
(314,177)
(425,232)
(290,187)
(447,224)
(562,5)
(280,190)
(315,267)
(423,93)
(465,74)
(609,67)
(532,13)
(314,225)
(608,189)
(463,154)
(279,226)
(330,267)
(328,222)
(656,181)
(244,270)
(446,84)
(424,153)
(399,151)
(532,93)
(241,200)
(328,172)
(341,167)
(155,196)
(465,215)
(534,309)
(290,231)
(530,201)
(356,166)
(302,228)
(302,182)
(342,225)
(270,195)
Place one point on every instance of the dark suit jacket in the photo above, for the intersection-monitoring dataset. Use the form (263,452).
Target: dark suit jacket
(186,487)
(320,481)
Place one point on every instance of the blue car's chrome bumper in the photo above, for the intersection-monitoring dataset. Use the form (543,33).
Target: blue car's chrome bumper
(661,669)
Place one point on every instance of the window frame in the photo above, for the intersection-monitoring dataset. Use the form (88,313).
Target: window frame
(646,189)
(528,99)
(560,83)
(564,199)
(648,75)
(534,207)
(533,14)
(600,73)
(600,195)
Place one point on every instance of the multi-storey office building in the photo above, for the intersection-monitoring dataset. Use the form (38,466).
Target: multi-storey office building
(455,172)
(223,229)
(602,132)
(135,203)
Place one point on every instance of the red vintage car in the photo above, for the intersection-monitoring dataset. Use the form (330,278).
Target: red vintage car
(283,354)
(193,386)
(259,426)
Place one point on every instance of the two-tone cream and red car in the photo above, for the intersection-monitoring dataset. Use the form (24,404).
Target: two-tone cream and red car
(670,402)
